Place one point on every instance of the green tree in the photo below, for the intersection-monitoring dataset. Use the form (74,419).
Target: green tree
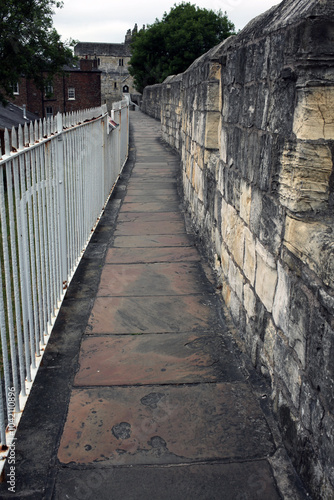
(169,46)
(29,44)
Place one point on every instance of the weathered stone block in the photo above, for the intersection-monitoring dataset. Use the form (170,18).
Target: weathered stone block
(320,366)
(218,210)
(249,105)
(233,303)
(248,155)
(232,187)
(299,320)
(233,234)
(263,167)
(198,155)
(327,446)
(198,181)
(249,266)
(312,242)
(280,117)
(261,110)
(213,101)
(288,370)
(313,117)
(304,178)
(223,144)
(269,341)
(232,103)
(225,259)
(281,305)
(214,71)
(249,301)
(211,161)
(266,276)
(267,219)
(245,201)
(311,409)
(236,280)
(211,140)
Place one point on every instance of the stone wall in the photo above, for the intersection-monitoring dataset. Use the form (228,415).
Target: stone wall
(253,120)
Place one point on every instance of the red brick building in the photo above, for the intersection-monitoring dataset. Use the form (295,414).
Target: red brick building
(78,88)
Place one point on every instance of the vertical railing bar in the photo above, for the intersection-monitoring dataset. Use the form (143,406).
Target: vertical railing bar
(31,210)
(80,209)
(71,200)
(56,207)
(24,167)
(41,273)
(16,285)
(69,195)
(62,208)
(44,185)
(36,237)
(57,226)
(51,228)
(18,206)
(2,418)
(3,328)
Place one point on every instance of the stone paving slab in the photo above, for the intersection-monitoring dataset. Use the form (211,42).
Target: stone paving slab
(139,227)
(152,241)
(158,153)
(155,171)
(150,217)
(143,192)
(183,313)
(157,254)
(214,481)
(164,278)
(155,359)
(150,197)
(164,424)
(157,206)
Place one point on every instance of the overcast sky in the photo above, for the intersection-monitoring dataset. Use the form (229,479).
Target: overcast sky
(108,21)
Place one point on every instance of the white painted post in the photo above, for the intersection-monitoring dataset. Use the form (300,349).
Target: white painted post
(61,201)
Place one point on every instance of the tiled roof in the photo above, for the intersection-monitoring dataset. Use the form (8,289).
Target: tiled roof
(12,116)
(102,49)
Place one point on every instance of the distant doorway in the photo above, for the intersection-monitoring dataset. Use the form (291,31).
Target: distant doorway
(126,89)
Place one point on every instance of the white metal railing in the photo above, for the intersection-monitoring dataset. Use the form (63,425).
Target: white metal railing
(55,179)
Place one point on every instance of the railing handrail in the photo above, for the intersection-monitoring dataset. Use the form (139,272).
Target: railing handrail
(81,121)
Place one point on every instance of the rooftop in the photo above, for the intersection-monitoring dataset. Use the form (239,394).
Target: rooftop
(12,116)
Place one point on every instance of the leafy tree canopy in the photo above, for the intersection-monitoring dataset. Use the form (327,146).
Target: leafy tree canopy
(169,46)
(29,44)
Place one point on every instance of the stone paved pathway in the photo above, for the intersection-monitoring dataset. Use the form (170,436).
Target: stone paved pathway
(152,403)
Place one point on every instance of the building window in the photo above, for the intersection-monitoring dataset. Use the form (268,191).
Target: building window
(49,90)
(98,61)
(71,94)
(120,62)
(115,85)
(126,89)
(49,111)
(16,90)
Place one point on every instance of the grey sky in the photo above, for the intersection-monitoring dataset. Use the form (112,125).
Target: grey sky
(108,21)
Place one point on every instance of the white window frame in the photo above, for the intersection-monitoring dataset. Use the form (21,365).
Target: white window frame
(48,114)
(16,89)
(49,91)
(71,93)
